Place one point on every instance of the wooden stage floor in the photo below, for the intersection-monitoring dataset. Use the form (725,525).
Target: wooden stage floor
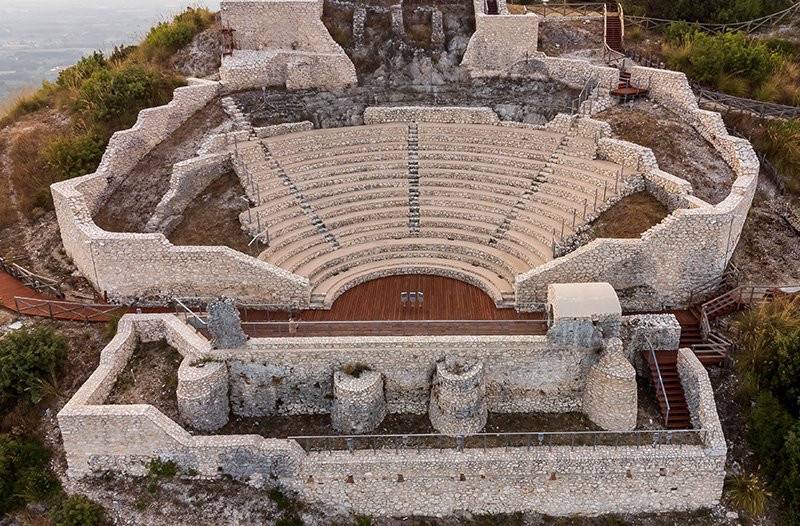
(448,307)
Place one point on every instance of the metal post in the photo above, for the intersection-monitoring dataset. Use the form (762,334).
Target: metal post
(605,189)
(585,203)
(574,217)
(595,198)
(562,229)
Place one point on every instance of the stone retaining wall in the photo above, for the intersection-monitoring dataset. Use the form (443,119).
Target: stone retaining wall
(597,479)
(145,268)
(691,246)
(499,41)
(282,43)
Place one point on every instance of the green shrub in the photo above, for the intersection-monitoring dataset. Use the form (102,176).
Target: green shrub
(24,473)
(363,520)
(707,57)
(747,493)
(28,357)
(115,97)
(75,155)
(77,510)
(289,520)
(281,500)
(166,38)
(73,76)
(161,469)
(706,11)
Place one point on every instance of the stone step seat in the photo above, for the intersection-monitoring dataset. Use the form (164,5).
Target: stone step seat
(286,247)
(540,213)
(491,158)
(582,187)
(588,171)
(336,179)
(486,217)
(601,167)
(362,132)
(366,256)
(503,264)
(295,243)
(486,186)
(480,171)
(456,202)
(347,164)
(332,212)
(487,200)
(321,177)
(543,251)
(530,250)
(314,194)
(563,197)
(387,150)
(477,174)
(272,219)
(362,216)
(492,141)
(340,199)
(519,154)
(336,285)
(521,133)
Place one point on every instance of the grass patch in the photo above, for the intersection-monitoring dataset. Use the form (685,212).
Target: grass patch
(29,359)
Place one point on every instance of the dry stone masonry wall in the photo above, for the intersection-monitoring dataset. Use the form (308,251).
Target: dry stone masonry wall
(393,481)
(282,43)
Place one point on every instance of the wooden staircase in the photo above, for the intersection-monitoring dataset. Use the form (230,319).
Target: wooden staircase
(671,399)
(614,31)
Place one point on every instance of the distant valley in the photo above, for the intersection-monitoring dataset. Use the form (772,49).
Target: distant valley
(38,38)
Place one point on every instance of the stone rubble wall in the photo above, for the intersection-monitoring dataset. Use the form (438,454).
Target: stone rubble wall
(189,179)
(288,376)
(359,405)
(145,268)
(610,398)
(500,41)
(282,43)
(692,245)
(458,398)
(598,479)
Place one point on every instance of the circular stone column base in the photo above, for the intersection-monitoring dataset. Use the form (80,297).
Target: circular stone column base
(359,405)
(458,398)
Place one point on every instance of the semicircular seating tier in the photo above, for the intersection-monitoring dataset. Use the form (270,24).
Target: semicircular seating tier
(478,202)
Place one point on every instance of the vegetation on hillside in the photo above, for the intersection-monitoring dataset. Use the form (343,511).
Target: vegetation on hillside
(722,11)
(100,95)
(769,367)
(763,69)
(30,360)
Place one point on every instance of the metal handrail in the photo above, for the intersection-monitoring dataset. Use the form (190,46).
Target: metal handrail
(191,314)
(660,378)
(31,279)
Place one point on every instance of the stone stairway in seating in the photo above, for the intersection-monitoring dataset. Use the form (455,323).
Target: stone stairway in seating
(413,178)
(541,177)
(679,417)
(301,199)
(240,120)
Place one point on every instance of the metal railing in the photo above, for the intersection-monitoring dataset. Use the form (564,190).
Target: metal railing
(30,279)
(395,327)
(661,386)
(752,107)
(487,441)
(192,318)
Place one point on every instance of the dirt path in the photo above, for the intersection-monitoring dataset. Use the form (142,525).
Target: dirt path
(678,147)
(133,202)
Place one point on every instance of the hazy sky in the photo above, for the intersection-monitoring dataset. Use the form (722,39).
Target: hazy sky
(39,37)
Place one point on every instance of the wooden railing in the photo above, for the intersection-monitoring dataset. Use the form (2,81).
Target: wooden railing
(564,9)
(67,310)
(747,26)
(31,280)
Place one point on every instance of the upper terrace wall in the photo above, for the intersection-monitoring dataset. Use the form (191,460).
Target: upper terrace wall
(692,245)
(282,43)
(129,267)
(499,40)
(597,479)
